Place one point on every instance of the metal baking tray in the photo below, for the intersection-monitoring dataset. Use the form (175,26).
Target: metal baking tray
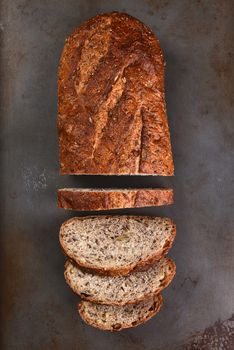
(38,310)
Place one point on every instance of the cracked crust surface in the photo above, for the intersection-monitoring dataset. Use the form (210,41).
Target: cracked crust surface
(111,104)
(116,245)
(105,199)
(116,318)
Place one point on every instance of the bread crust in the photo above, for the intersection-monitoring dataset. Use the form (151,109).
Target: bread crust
(157,305)
(139,266)
(75,199)
(167,280)
(111,104)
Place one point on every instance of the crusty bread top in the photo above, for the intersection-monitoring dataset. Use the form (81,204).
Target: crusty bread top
(116,318)
(120,290)
(116,244)
(106,199)
(111,105)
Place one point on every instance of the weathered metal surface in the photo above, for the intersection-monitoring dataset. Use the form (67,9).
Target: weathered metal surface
(37,308)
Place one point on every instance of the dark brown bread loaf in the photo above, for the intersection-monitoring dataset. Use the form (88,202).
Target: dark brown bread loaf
(106,199)
(111,105)
(116,318)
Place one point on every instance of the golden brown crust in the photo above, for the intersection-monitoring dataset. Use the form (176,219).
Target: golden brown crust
(112,199)
(167,280)
(156,307)
(111,104)
(138,266)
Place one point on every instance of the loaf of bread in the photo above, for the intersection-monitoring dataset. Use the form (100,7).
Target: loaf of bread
(106,199)
(111,105)
(116,245)
(116,318)
(120,290)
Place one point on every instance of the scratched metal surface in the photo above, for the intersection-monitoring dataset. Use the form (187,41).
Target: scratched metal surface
(37,308)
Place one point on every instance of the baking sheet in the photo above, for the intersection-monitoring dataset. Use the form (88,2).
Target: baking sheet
(37,308)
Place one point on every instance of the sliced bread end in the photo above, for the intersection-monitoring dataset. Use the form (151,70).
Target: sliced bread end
(107,199)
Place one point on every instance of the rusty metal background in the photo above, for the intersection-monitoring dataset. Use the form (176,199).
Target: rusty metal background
(37,308)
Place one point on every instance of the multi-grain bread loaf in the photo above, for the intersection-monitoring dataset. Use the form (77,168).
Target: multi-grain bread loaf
(116,318)
(120,290)
(111,105)
(116,245)
(106,199)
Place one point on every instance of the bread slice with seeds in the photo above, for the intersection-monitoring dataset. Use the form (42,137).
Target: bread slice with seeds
(106,199)
(116,245)
(116,318)
(120,290)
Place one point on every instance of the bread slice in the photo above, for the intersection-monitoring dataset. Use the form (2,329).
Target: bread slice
(116,245)
(120,290)
(116,318)
(111,104)
(106,199)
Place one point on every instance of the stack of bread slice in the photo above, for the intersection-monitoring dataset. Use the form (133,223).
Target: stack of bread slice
(112,121)
(117,264)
